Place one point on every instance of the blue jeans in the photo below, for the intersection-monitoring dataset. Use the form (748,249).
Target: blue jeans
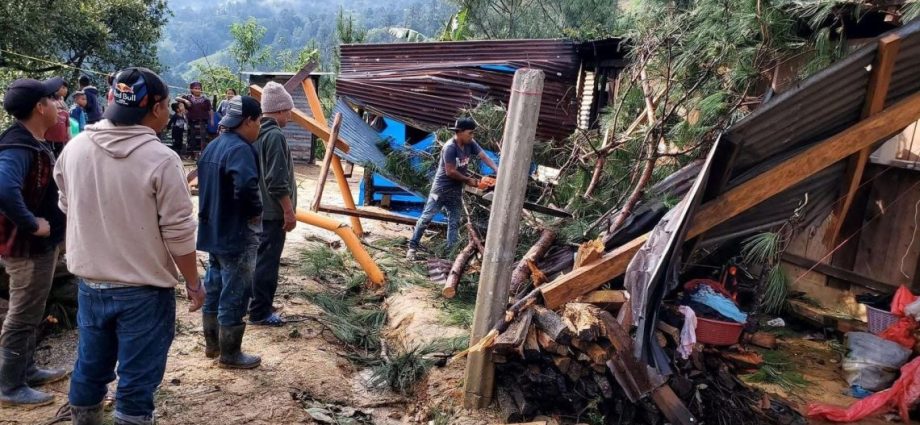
(228,283)
(265,281)
(452,204)
(132,327)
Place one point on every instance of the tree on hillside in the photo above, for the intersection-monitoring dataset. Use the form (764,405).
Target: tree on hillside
(247,49)
(496,19)
(40,36)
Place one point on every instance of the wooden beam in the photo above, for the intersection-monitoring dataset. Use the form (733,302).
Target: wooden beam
(304,74)
(744,196)
(877,92)
(305,121)
(374,215)
(327,162)
(839,273)
(504,228)
(315,105)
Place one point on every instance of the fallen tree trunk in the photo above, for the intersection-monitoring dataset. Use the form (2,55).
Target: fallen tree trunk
(535,253)
(456,271)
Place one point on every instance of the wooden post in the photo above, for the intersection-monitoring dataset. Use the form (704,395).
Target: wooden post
(327,161)
(504,226)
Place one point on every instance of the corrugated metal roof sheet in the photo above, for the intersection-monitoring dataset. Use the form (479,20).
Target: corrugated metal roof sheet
(428,84)
(819,107)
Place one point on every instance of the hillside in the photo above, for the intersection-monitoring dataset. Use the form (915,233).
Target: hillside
(198,33)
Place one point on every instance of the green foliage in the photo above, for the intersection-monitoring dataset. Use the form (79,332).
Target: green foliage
(247,49)
(766,249)
(580,19)
(778,369)
(219,78)
(458,311)
(409,166)
(102,35)
(401,372)
(457,26)
(357,327)
(762,248)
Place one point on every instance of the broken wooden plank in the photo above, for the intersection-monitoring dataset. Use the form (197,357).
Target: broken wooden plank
(744,196)
(373,215)
(839,273)
(606,298)
(589,252)
(516,334)
(671,406)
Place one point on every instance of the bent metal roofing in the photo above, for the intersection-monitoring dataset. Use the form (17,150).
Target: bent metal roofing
(428,84)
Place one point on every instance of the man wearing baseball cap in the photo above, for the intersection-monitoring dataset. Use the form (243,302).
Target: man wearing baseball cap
(130,226)
(230,213)
(447,188)
(31,231)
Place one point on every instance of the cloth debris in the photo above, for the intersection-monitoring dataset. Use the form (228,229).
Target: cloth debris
(687,332)
(725,306)
(777,322)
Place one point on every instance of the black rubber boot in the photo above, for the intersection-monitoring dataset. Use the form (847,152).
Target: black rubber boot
(36,376)
(13,388)
(91,415)
(231,338)
(211,335)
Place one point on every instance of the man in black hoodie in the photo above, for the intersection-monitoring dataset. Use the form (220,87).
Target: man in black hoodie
(31,232)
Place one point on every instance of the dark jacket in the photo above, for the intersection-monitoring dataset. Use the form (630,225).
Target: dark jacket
(277,167)
(228,191)
(93,109)
(27,191)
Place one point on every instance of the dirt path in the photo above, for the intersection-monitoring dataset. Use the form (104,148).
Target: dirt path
(297,360)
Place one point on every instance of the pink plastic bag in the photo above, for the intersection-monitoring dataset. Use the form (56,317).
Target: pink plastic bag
(902,298)
(902,394)
(902,332)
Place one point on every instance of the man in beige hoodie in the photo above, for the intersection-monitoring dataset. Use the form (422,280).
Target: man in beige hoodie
(130,225)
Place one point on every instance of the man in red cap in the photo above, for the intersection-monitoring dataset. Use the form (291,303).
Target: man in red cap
(31,231)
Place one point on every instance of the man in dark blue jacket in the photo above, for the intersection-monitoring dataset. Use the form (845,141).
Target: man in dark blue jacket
(230,222)
(31,232)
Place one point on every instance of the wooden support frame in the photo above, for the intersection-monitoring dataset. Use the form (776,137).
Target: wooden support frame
(327,162)
(876,94)
(374,215)
(317,125)
(744,196)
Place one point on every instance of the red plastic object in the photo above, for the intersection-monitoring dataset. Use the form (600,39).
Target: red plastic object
(716,332)
(902,394)
(902,298)
(902,332)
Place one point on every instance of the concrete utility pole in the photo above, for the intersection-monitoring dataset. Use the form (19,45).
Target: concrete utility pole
(504,226)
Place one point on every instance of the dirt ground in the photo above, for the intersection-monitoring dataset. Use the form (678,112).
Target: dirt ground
(297,362)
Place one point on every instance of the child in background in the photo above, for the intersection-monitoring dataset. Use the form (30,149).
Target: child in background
(78,111)
(178,124)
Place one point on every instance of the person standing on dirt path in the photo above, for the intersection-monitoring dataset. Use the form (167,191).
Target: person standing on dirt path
(230,212)
(447,188)
(279,200)
(130,225)
(31,232)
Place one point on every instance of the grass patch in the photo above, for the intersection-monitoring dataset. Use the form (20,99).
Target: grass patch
(458,311)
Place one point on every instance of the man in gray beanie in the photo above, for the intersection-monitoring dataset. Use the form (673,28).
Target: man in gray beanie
(279,199)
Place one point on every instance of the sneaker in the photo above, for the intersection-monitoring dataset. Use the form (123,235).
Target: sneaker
(273,320)
(410,254)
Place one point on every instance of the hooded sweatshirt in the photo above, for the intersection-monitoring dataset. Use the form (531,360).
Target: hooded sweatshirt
(130,210)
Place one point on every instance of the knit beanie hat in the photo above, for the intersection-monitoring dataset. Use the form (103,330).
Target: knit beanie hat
(275,98)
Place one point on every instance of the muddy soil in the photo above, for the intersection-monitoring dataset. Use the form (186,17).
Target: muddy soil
(298,360)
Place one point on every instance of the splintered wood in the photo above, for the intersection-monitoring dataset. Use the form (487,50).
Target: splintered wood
(589,252)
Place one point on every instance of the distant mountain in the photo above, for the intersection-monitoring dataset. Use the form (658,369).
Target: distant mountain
(199,32)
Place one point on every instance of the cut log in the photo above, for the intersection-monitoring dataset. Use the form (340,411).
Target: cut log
(549,345)
(552,325)
(456,271)
(536,275)
(515,335)
(604,385)
(589,252)
(522,271)
(511,412)
(596,353)
(670,331)
(531,348)
(582,320)
(606,299)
